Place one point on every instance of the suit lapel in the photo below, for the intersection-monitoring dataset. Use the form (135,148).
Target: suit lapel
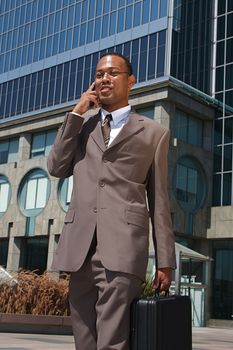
(133,126)
(97,134)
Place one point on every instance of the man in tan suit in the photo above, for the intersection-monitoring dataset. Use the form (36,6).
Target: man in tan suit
(104,243)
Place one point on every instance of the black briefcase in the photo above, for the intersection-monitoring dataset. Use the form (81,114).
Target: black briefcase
(161,323)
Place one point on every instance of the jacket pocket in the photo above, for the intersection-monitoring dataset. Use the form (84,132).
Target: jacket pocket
(138,219)
(69,216)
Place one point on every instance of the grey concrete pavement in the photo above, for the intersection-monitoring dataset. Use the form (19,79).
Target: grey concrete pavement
(203,339)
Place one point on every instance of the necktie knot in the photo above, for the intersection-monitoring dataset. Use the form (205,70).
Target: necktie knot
(106,128)
(107,119)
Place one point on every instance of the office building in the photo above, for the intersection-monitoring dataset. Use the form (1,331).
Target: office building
(182,57)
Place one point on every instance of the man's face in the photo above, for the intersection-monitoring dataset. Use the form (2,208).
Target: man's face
(113,83)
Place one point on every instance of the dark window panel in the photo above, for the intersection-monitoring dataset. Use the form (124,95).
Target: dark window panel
(129,16)
(217,158)
(121,20)
(227,189)
(154,10)
(137,14)
(51,88)
(79,78)
(45,84)
(217,190)
(143,59)
(134,56)
(20,95)
(58,83)
(220,53)
(230,25)
(221,7)
(229,54)
(26,93)
(227,158)
(66,72)
(38,89)
(32,92)
(72,80)
(228,130)
(218,131)
(219,79)
(14,96)
(112,27)
(221,28)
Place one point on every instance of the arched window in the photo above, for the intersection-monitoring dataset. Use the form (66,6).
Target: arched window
(65,189)
(5,193)
(34,192)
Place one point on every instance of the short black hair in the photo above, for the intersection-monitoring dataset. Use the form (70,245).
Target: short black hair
(127,62)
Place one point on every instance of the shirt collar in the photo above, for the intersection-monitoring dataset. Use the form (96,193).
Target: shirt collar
(118,115)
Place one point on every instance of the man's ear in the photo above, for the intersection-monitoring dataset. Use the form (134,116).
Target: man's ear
(131,81)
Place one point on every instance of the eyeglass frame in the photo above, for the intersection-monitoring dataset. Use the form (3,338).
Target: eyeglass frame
(111,74)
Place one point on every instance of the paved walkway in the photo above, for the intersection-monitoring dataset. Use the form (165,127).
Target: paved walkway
(203,339)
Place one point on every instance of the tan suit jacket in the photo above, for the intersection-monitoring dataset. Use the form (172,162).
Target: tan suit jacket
(110,191)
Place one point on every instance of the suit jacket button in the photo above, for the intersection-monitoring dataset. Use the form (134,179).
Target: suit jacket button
(105,160)
(102,184)
(95,210)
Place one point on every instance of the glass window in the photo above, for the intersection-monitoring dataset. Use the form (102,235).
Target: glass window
(90,30)
(145,11)
(129,17)
(51,87)
(161,53)
(217,190)
(230,25)
(91,14)
(222,280)
(121,20)
(188,128)
(229,76)
(227,158)
(137,14)
(221,28)
(147,111)
(105,26)
(219,79)
(34,192)
(220,53)
(57,21)
(84,10)
(229,54)
(4,194)
(221,7)
(64,18)
(227,189)
(217,158)
(154,10)
(152,56)
(32,92)
(65,82)
(190,184)
(42,143)
(62,40)
(97,29)
(65,189)
(163,8)
(112,28)
(4,245)
(99,6)
(82,39)
(34,254)
(143,59)
(228,130)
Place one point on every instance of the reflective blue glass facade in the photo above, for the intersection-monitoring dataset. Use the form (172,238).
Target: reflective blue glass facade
(38,39)
(223,91)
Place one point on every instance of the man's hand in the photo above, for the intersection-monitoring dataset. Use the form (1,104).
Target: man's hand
(163,279)
(87,97)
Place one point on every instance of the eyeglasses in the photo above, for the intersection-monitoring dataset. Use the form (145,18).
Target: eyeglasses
(111,74)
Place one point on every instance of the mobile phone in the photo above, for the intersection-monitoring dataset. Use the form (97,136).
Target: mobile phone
(92,103)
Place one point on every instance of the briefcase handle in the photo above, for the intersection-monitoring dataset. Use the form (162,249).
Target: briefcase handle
(158,293)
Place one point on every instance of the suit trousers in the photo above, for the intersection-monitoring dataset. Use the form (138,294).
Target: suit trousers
(100,304)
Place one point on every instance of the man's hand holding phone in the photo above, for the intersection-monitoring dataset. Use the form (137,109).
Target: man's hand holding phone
(87,100)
